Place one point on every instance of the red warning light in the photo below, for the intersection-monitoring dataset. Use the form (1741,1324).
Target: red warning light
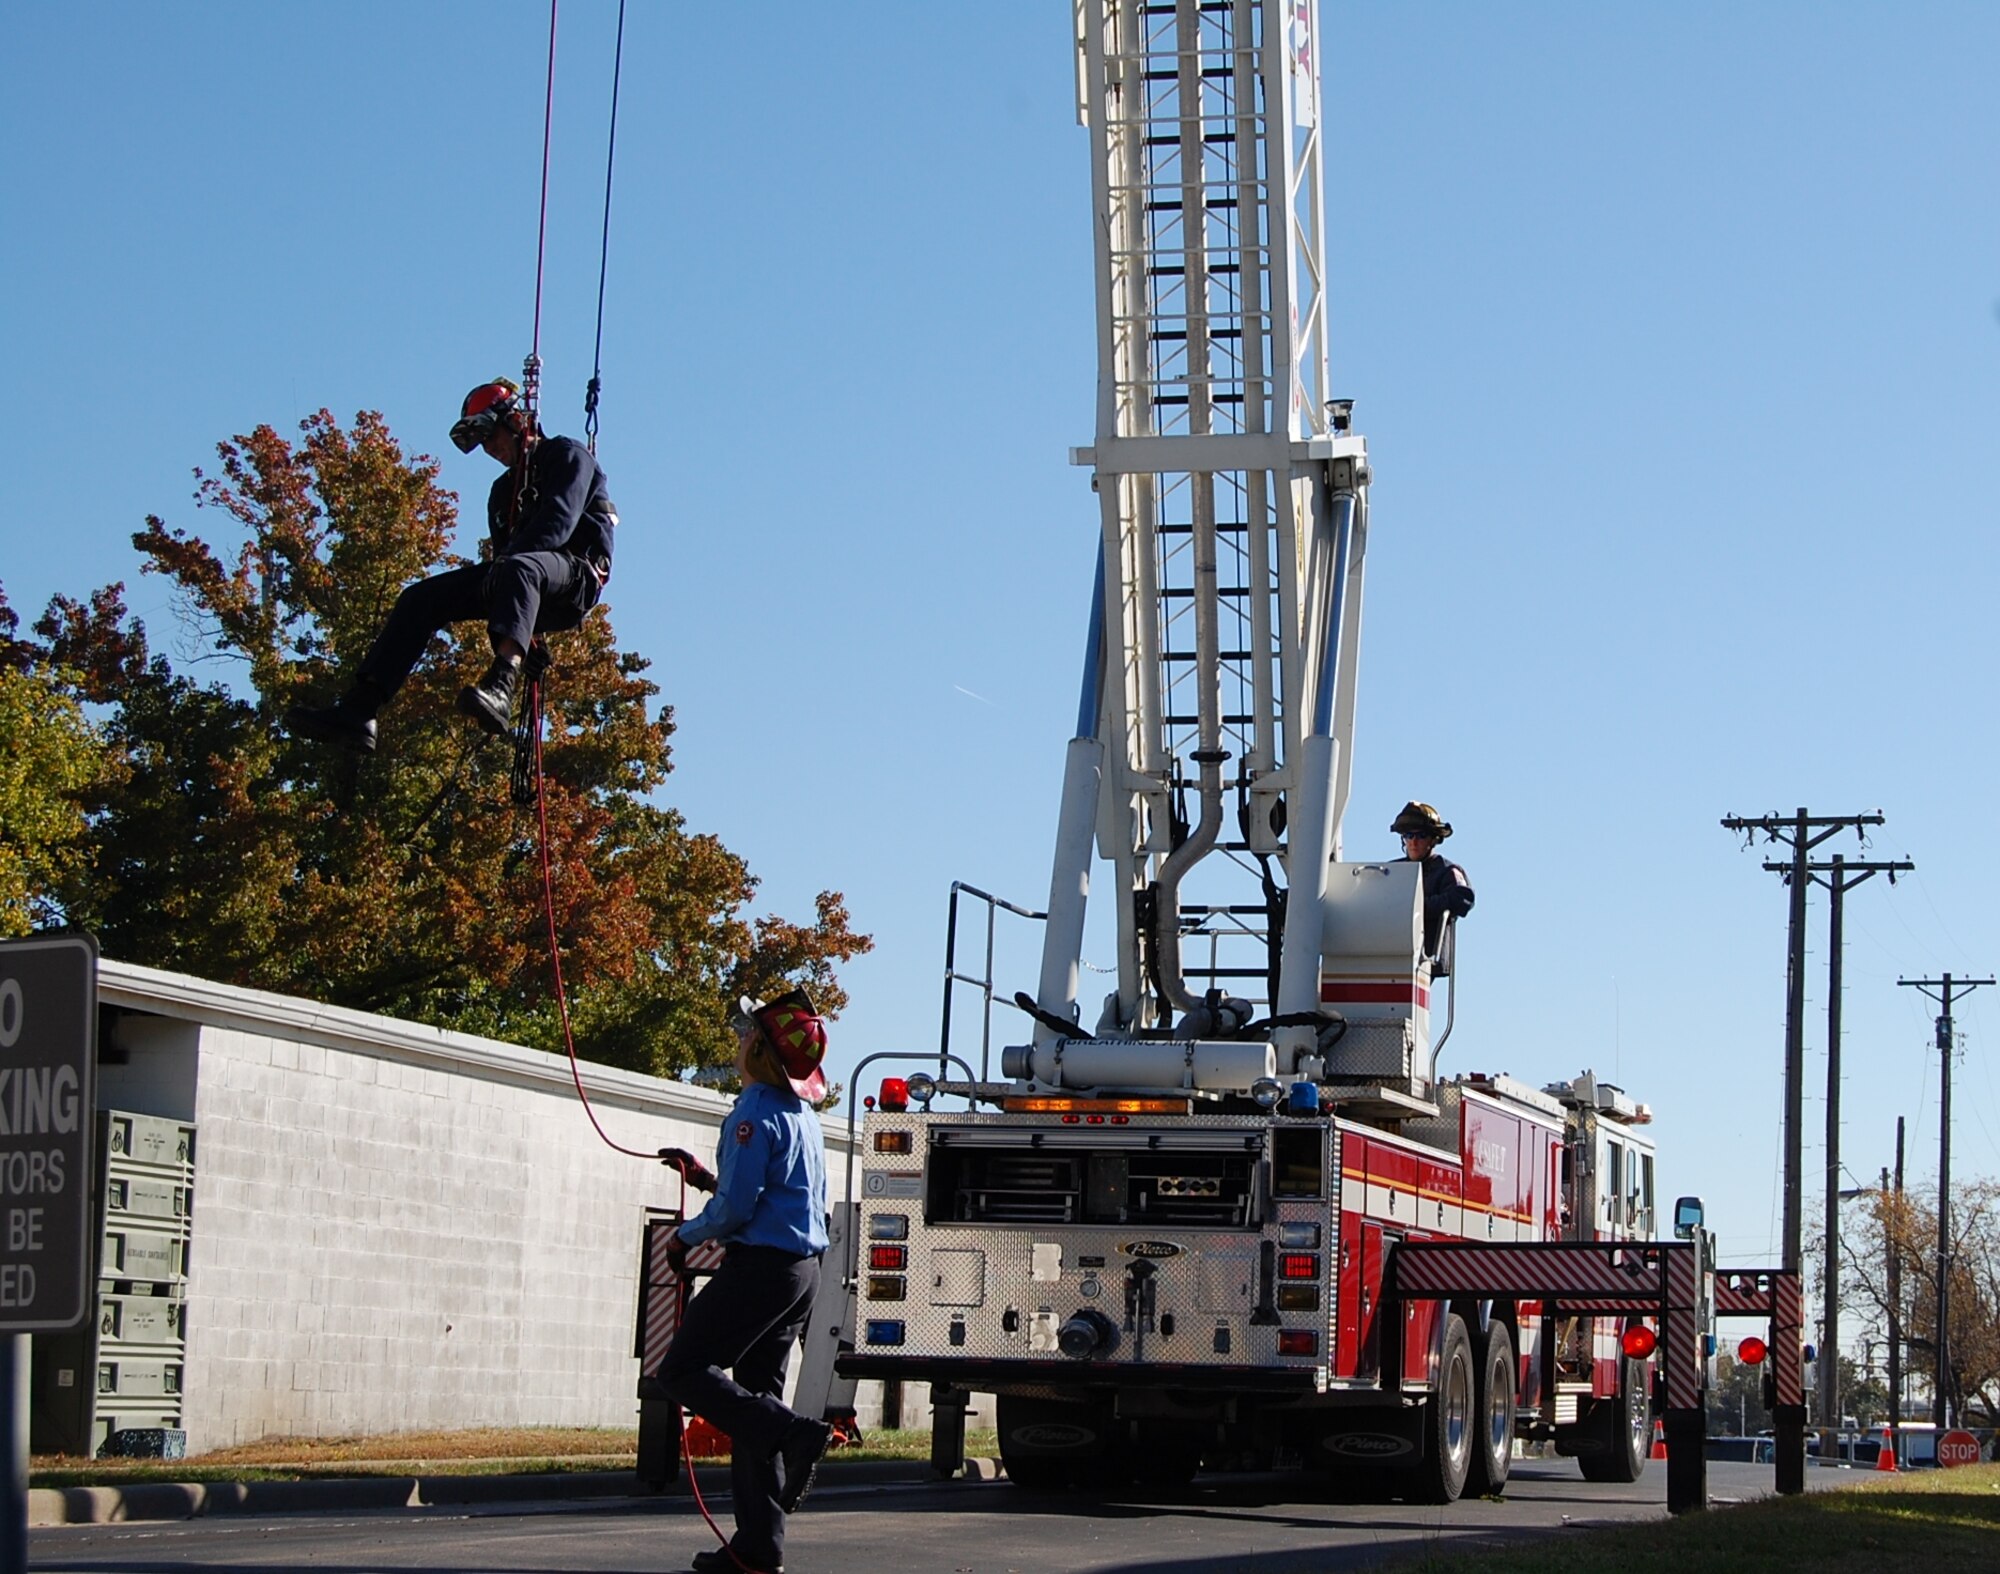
(895,1095)
(890,1258)
(1639,1341)
(1298,1265)
(1751,1351)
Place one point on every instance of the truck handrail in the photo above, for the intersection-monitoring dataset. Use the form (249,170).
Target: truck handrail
(994,906)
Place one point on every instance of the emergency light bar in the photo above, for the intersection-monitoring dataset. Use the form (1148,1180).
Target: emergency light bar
(1062,1104)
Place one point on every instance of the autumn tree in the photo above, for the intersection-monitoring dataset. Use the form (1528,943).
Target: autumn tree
(406,883)
(52,758)
(1906,1223)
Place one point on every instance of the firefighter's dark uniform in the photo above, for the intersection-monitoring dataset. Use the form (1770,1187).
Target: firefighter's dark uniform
(552,543)
(728,1362)
(1446,891)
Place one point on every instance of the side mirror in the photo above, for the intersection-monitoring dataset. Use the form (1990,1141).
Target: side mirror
(1688,1216)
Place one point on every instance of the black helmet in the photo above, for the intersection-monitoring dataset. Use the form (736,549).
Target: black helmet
(1420,819)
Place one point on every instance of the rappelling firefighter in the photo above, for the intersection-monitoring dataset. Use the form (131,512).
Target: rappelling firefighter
(550,525)
(1447,892)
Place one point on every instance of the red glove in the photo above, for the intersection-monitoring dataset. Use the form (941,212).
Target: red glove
(692,1170)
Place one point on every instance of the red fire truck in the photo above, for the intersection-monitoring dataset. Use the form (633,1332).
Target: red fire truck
(1160,1236)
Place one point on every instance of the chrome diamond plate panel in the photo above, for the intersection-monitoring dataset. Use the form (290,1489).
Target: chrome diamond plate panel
(1173,1294)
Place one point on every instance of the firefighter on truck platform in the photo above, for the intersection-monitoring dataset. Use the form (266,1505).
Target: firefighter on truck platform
(727,1363)
(1446,889)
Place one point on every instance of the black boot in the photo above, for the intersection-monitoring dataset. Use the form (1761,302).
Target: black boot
(490,701)
(349,721)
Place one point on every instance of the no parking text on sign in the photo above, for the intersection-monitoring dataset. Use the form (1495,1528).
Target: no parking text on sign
(48,1051)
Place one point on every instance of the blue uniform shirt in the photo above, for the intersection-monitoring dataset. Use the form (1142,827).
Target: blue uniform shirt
(770,1176)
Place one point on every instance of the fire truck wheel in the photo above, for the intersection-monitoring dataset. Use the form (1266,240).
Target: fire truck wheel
(1493,1441)
(1046,1445)
(1621,1426)
(1450,1421)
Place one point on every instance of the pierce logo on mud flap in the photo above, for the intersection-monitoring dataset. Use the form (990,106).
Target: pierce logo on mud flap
(1367,1445)
(1052,1435)
(1152,1250)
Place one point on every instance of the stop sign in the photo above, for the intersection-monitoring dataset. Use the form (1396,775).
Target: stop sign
(1957,1448)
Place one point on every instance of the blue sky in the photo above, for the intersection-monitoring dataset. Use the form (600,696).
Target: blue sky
(1673,331)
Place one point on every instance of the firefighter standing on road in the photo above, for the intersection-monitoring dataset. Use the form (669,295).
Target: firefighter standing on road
(727,1363)
(551,524)
(1446,889)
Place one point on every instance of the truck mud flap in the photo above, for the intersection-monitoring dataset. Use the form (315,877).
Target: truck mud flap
(1051,1429)
(1375,1437)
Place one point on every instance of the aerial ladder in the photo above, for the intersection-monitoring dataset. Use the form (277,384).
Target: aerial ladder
(1215,729)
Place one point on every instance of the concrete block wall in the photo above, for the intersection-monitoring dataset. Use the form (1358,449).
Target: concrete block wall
(397,1227)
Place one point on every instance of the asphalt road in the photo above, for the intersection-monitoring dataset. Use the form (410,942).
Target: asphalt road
(1237,1524)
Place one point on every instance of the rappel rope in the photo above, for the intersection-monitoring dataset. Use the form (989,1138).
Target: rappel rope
(533,720)
(531,369)
(527,787)
(604,245)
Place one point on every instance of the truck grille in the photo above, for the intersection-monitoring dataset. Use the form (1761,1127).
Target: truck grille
(997,1182)
(1018,1188)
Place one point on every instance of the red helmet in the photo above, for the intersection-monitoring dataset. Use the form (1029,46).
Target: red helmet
(796,1033)
(484,410)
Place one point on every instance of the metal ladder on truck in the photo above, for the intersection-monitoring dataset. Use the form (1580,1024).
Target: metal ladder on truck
(1234,519)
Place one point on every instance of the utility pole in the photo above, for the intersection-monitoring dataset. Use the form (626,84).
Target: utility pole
(1801,832)
(1941,1407)
(1894,1222)
(1839,877)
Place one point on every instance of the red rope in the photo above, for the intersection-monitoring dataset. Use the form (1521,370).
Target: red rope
(576,1076)
(555,945)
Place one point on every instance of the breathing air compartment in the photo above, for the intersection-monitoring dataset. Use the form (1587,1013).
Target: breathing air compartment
(1129,1177)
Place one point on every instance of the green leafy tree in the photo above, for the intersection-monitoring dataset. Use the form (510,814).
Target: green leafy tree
(407,883)
(53,757)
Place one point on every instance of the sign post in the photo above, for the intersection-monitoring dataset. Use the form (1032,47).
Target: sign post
(48,1057)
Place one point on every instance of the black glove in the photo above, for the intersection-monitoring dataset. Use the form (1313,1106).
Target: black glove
(677,1255)
(692,1170)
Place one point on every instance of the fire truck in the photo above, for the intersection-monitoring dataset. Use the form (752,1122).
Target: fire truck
(1158,1231)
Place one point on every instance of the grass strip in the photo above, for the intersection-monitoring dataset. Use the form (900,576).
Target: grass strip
(1915,1522)
(473,1452)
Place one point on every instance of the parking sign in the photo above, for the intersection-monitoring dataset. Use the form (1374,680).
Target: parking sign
(48,1052)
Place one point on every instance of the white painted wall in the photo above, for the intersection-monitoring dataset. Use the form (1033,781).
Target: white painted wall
(396,1226)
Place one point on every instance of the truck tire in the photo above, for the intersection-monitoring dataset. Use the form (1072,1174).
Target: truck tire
(1449,1420)
(1493,1436)
(1619,1428)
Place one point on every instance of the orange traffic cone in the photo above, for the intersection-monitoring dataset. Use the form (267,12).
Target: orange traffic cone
(1659,1441)
(1886,1460)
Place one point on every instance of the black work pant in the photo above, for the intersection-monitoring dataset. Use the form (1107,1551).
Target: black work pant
(727,1364)
(520,596)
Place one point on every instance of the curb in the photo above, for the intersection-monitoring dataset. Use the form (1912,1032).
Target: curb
(108,1505)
